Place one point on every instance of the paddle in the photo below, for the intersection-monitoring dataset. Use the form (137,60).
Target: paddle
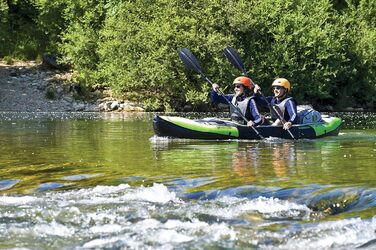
(192,63)
(237,62)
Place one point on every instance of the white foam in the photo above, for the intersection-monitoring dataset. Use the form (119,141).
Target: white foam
(17,200)
(333,234)
(215,230)
(98,243)
(158,193)
(275,206)
(175,231)
(268,207)
(171,236)
(53,229)
(96,195)
(271,139)
(110,228)
(101,216)
(140,216)
(109,189)
(194,224)
(147,224)
(156,138)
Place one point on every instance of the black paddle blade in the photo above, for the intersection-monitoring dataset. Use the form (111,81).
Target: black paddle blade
(235,59)
(190,60)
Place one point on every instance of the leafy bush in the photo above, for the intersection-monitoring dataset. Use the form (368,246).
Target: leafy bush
(360,19)
(18,31)
(140,42)
(326,48)
(298,40)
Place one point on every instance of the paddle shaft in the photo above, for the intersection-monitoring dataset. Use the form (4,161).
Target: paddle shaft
(236,61)
(191,62)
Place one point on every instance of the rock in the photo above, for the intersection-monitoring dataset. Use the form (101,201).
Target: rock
(91,108)
(49,61)
(13,73)
(107,106)
(102,107)
(59,91)
(68,99)
(75,89)
(134,109)
(114,105)
(97,87)
(79,106)
(187,108)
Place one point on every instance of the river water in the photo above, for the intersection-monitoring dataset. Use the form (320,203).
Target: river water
(104,181)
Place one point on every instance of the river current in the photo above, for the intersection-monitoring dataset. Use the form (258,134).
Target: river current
(105,181)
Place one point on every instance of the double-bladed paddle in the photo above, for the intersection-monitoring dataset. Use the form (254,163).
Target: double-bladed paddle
(192,63)
(237,62)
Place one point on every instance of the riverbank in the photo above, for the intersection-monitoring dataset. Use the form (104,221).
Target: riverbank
(34,87)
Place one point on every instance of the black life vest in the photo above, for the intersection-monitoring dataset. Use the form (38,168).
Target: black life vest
(243,107)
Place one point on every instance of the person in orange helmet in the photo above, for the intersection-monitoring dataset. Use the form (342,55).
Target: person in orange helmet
(285,104)
(243,99)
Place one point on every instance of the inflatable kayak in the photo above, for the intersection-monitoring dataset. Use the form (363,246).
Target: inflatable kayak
(218,129)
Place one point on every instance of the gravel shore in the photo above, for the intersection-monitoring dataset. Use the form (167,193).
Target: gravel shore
(31,87)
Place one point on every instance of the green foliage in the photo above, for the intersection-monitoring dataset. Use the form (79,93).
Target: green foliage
(140,42)
(360,23)
(17,37)
(3,25)
(52,23)
(3,12)
(8,60)
(297,40)
(326,48)
(50,93)
(84,19)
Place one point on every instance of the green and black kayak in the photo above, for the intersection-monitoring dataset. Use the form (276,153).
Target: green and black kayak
(218,129)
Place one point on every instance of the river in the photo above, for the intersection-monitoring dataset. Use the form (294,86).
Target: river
(104,181)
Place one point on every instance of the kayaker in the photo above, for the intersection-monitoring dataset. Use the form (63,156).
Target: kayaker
(243,99)
(285,104)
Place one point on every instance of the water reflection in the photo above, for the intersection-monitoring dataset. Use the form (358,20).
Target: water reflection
(251,160)
(329,160)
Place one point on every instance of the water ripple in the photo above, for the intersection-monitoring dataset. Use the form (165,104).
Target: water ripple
(8,184)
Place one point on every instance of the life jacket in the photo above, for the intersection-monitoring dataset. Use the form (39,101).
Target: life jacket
(280,106)
(243,107)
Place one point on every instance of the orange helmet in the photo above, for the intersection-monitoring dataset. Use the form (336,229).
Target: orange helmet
(282,82)
(244,80)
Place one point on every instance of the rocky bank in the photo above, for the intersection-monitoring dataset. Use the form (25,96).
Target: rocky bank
(33,87)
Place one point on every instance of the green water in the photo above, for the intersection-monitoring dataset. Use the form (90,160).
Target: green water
(45,149)
(47,155)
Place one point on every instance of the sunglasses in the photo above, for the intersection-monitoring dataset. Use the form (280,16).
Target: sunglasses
(277,87)
(238,86)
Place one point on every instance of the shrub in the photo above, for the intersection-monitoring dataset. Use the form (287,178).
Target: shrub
(140,43)
(326,48)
